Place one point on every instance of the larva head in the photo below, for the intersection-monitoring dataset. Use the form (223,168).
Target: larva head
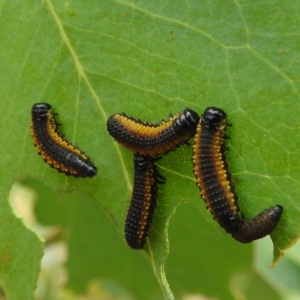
(188,119)
(40,110)
(214,118)
(191,117)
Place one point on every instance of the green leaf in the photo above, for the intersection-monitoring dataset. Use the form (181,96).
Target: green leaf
(93,59)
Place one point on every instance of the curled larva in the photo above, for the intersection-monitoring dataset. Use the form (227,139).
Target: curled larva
(216,187)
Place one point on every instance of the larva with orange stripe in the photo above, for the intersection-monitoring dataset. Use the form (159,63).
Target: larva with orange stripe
(153,139)
(54,148)
(216,186)
(143,201)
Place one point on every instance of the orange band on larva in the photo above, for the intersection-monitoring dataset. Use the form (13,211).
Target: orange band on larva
(153,139)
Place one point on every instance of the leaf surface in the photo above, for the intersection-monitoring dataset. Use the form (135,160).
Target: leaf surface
(148,59)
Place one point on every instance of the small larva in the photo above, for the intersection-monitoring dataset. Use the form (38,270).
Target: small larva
(143,200)
(214,181)
(54,148)
(153,139)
